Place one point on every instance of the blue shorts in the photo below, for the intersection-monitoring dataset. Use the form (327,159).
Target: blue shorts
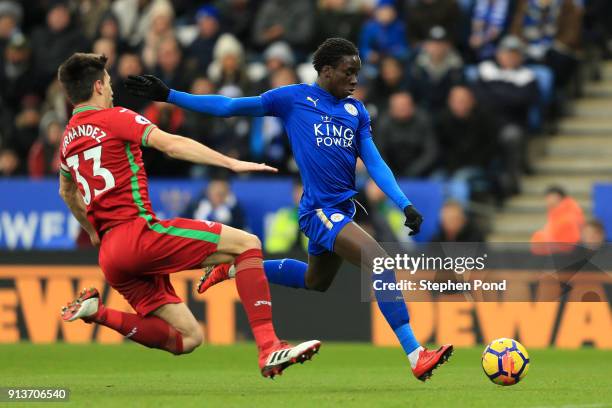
(323,225)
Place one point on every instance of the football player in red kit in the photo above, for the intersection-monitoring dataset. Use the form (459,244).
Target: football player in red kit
(103,182)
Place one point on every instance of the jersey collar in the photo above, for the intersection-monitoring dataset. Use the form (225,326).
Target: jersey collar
(85,108)
(325,93)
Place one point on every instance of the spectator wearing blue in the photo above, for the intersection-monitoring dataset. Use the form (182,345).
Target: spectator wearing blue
(383,35)
(201,49)
(488,23)
(217,203)
(552,30)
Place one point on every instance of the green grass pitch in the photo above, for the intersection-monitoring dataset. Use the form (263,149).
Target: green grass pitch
(341,375)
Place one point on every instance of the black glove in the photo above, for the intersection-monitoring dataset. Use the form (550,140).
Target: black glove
(414,219)
(148,87)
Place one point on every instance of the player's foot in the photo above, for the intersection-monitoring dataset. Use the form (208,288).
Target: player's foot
(215,274)
(84,306)
(281,355)
(429,360)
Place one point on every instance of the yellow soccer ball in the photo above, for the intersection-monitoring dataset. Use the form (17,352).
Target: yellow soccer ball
(505,361)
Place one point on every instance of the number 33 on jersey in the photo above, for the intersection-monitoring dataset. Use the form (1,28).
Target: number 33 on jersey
(100,150)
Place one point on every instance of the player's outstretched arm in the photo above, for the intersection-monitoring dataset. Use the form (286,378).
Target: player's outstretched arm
(73,199)
(151,87)
(183,148)
(384,178)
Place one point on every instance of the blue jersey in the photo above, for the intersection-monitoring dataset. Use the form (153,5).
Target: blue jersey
(325,133)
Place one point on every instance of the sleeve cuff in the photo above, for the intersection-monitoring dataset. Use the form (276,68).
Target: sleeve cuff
(65,173)
(145,135)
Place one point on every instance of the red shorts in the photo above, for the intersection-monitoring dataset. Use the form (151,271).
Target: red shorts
(137,257)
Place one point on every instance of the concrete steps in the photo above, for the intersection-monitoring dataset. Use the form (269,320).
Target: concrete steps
(517,223)
(602,89)
(556,165)
(533,203)
(579,156)
(579,146)
(580,125)
(592,108)
(573,184)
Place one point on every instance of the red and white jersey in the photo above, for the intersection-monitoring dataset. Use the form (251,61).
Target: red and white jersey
(100,151)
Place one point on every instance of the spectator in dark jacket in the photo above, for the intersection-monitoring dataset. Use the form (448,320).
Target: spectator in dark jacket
(57,41)
(509,89)
(129,64)
(334,19)
(435,70)
(468,137)
(391,79)
(456,226)
(423,15)
(407,140)
(18,77)
(279,20)
(201,49)
(171,68)
(11,14)
(218,204)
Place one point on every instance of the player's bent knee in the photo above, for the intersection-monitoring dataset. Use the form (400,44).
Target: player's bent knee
(192,340)
(317,284)
(254,242)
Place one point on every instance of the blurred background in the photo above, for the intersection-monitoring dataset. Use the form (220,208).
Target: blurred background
(480,107)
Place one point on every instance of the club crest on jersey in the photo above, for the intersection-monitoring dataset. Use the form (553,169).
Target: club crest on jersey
(351,109)
(337,217)
(328,134)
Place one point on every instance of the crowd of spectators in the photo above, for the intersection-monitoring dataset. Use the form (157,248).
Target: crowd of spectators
(454,87)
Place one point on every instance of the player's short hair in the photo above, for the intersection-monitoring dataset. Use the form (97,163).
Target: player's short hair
(331,51)
(79,72)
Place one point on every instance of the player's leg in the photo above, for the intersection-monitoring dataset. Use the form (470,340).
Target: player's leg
(359,248)
(251,283)
(321,226)
(317,274)
(180,318)
(254,293)
(149,330)
(322,270)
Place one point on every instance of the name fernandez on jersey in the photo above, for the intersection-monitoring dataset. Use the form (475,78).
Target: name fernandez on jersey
(82,131)
(327,133)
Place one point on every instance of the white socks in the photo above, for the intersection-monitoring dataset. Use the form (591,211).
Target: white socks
(413,356)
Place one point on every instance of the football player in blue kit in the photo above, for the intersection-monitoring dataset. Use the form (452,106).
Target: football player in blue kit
(328,130)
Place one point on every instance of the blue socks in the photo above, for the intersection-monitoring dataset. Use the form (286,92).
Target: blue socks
(392,306)
(291,273)
(286,272)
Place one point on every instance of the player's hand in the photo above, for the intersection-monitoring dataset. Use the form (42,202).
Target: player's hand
(414,219)
(147,86)
(240,166)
